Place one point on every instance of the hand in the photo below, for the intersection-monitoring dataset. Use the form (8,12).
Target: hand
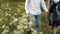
(28,14)
(46,14)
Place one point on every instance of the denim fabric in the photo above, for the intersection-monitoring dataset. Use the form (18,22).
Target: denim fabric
(36,21)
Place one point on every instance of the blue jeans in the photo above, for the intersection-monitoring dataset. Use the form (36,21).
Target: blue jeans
(36,20)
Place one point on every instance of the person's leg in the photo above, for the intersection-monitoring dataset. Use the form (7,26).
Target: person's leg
(32,19)
(54,29)
(38,22)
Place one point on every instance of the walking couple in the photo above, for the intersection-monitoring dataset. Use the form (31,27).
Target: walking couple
(33,10)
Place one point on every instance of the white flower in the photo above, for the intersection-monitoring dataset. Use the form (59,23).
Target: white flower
(3,26)
(10,8)
(18,9)
(10,23)
(5,31)
(7,4)
(15,14)
(3,5)
(16,19)
(41,32)
(24,16)
(16,32)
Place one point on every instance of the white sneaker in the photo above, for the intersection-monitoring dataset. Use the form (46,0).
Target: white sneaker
(41,32)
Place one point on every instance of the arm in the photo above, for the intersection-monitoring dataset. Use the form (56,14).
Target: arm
(26,6)
(48,4)
(44,6)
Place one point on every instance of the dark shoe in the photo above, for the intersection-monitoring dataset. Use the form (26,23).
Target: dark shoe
(29,32)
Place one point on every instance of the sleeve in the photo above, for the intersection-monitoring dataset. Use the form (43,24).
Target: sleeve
(44,6)
(26,6)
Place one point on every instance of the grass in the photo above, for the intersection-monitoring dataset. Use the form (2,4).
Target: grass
(16,20)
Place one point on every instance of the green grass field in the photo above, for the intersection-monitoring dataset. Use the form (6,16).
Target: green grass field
(13,20)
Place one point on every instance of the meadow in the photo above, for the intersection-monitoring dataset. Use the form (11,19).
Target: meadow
(13,19)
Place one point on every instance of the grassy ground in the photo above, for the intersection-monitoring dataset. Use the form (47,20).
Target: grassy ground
(13,19)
